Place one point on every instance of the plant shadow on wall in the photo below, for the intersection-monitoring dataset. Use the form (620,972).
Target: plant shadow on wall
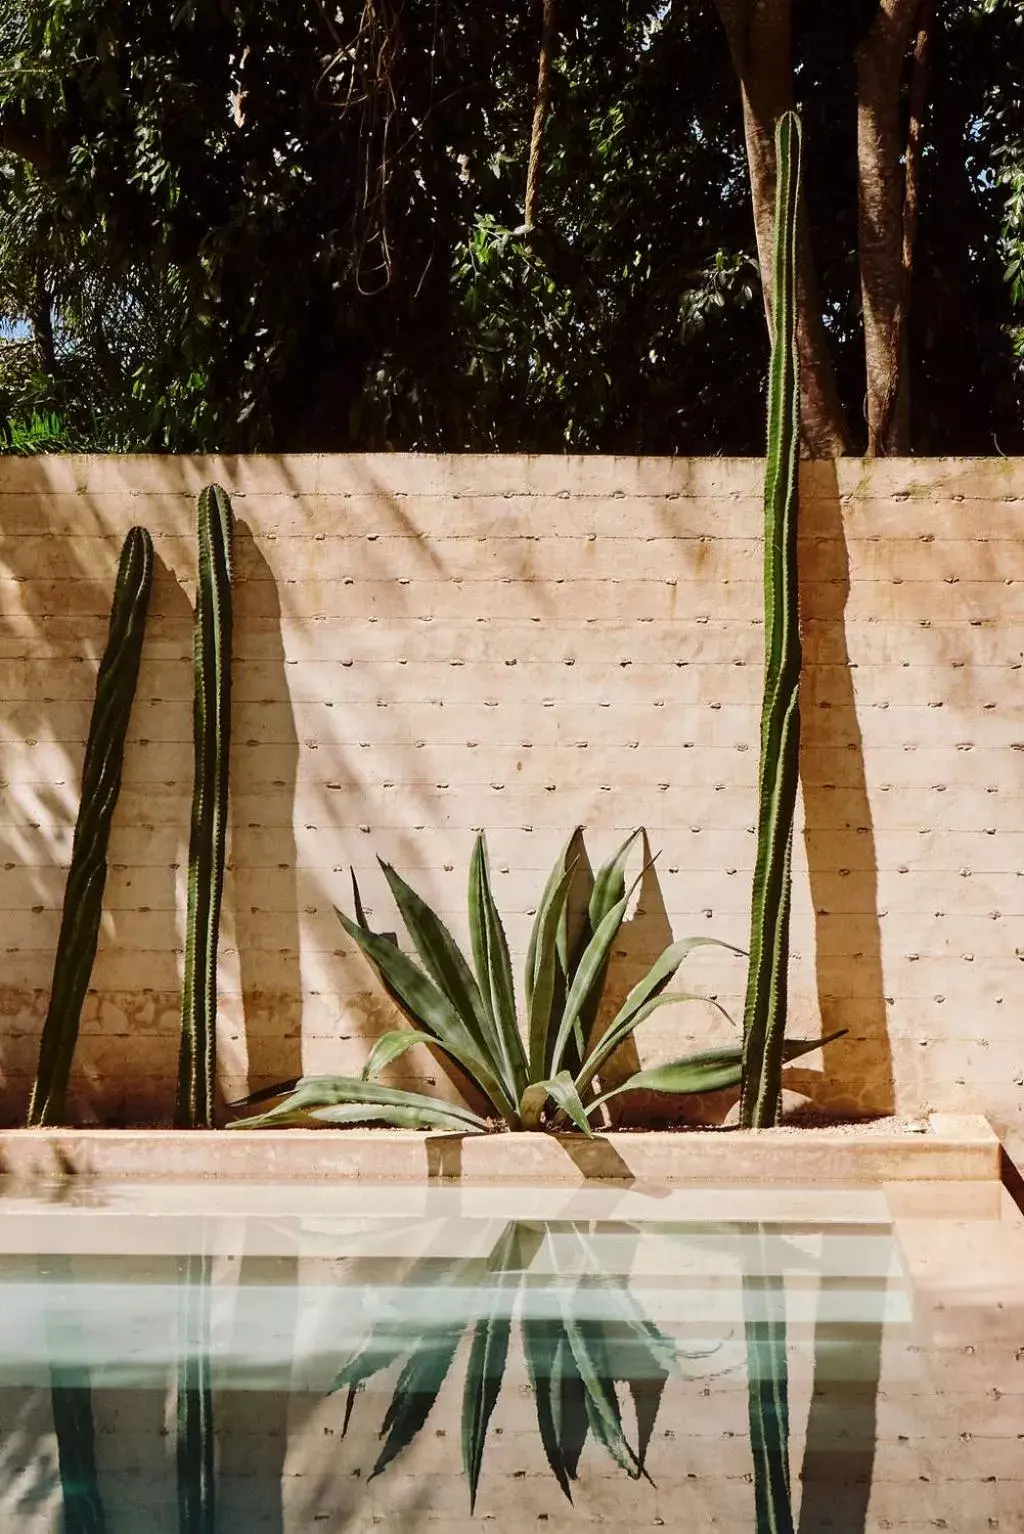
(263,844)
(838,829)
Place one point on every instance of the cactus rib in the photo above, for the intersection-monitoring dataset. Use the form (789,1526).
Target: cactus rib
(101,785)
(764,1018)
(207,837)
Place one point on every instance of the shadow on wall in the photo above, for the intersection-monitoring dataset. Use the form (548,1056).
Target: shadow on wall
(641,941)
(148,865)
(264,854)
(840,840)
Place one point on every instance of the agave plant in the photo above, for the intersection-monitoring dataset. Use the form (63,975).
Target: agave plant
(597,1339)
(541,1075)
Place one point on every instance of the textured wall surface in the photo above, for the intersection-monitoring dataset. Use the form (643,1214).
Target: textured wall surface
(429,645)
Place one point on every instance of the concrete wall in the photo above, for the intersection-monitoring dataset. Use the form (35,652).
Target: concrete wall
(425,646)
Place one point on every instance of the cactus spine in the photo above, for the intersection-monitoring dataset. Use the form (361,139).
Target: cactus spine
(764,1018)
(101,784)
(211,739)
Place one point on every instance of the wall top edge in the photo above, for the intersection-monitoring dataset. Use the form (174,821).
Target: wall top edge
(509,475)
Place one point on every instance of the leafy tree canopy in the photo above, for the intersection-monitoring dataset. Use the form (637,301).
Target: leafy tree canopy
(241,225)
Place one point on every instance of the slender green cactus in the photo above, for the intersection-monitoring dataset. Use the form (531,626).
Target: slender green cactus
(211,738)
(101,784)
(764,1019)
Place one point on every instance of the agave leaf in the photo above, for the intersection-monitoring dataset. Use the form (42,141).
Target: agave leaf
(264,1094)
(346,1099)
(391,1046)
(572,1422)
(562,1091)
(418,1387)
(554,879)
(588,976)
(541,987)
(494,969)
(574,930)
(586,1341)
(635,1008)
(444,962)
(710,1071)
(487,1357)
(610,881)
(357,901)
(394,1335)
(430,1008)
(540,1346)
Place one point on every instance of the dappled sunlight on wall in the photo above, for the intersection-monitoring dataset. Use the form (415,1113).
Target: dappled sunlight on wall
(427,646)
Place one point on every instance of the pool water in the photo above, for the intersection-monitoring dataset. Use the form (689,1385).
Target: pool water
(239,1357)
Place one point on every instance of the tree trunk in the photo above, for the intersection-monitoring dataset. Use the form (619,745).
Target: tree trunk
(540,113)
(758,32)
(885,263)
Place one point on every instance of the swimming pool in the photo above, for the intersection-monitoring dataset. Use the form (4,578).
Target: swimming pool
(360,1356)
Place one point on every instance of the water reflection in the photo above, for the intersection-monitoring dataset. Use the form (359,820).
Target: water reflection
(343,1353)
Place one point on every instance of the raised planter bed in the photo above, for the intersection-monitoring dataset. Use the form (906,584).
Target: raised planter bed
(949,1147)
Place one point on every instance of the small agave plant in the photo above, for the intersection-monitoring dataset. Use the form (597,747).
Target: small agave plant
(536,1077)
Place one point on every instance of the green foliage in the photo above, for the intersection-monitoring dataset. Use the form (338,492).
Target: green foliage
(222,228)
(207,839)
(101,785)
(530,1079)
(764,1019)
(575,1360)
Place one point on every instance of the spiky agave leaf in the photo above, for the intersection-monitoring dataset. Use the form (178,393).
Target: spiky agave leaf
(542,976)
(485,1370)
(561,1090)
(445,963)
(419,1386)
(432,1010)
(350,1100)
(494,970)
(711,1070)
(101,785)
(638,1004)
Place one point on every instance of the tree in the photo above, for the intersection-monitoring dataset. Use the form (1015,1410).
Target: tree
(890,41)
(244,225)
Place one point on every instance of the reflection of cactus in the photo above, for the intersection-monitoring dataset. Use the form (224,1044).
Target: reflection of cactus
(195,1443)
(101,784)
(764,1018)
(764,1303)
(211,730)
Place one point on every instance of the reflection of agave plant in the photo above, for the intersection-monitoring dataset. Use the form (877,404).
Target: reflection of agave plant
(574,1357)
(469,1013)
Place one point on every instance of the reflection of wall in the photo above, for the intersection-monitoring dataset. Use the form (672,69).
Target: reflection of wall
(524,644)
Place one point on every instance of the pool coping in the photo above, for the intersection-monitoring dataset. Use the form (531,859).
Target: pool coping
(953,1147)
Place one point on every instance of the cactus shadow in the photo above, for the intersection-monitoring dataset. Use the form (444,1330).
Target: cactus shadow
(840,841)
(264,853)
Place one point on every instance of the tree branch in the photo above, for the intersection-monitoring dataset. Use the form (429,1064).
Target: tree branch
(542,102)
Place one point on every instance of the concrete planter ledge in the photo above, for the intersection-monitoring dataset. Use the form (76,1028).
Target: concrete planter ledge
(953,1147)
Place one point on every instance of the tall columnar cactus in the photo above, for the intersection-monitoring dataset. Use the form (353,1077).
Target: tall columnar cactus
(101,784)
(764,1018)
(211,738)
